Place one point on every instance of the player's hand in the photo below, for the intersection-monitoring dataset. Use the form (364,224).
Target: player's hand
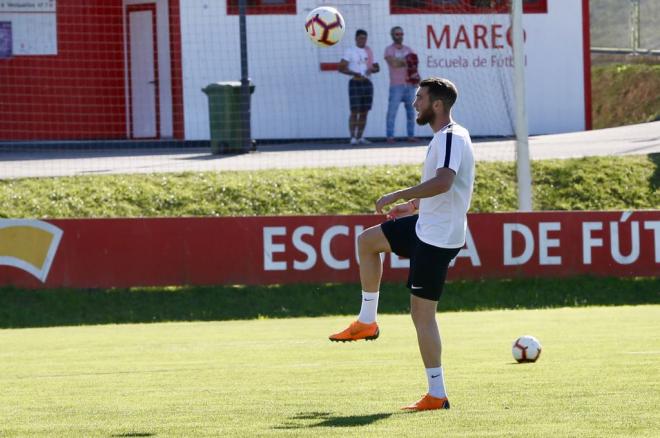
(401,210)
(388,199)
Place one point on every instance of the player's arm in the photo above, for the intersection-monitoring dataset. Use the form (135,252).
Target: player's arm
(440,183)
(343,68)
(404,209)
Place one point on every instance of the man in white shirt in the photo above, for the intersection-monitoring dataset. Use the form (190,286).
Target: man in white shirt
(431,238)
(358,62)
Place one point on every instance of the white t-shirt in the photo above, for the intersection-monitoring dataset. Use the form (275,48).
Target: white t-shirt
(357,59)
(443,218)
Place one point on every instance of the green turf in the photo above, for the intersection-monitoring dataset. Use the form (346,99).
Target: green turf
(598,376)
(42,308)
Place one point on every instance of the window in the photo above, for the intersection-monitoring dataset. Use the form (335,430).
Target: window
(463,6)
(263,7)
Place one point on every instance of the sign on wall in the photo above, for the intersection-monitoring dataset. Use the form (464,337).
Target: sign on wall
(313,249)
(33,26)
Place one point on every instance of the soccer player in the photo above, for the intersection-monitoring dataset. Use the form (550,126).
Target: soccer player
(429,229)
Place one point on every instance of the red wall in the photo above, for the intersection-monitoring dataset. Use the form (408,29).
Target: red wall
(177,69)
(80,92)
(76,94)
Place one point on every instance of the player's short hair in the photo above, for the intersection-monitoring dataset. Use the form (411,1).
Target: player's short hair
(441,89)
(360,32)
(394,29)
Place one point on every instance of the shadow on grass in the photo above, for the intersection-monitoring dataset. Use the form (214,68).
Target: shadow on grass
(43,308)
(301,420)
(133,434)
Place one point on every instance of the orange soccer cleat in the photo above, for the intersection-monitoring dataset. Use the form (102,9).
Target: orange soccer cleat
(428,403)
(356,331)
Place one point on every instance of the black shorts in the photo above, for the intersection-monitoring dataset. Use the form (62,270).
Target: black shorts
(360,94)
(428,263)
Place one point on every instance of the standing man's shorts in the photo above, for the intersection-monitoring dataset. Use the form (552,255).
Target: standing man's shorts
(428,263)
(360,94)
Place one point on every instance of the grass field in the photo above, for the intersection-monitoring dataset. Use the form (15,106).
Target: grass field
(598,376)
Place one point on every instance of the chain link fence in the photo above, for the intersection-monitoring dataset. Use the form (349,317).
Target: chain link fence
(625,26)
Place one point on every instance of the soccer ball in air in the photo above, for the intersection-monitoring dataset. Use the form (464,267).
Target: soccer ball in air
(526,349)
(325,26)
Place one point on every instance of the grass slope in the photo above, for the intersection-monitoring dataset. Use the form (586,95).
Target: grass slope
(597,377)
(596,183)
(623,94)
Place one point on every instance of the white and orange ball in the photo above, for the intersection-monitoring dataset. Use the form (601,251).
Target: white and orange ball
(325,26)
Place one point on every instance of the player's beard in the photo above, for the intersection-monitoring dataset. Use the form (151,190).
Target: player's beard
(425,116)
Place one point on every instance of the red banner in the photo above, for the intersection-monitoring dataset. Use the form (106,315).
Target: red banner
(312,249)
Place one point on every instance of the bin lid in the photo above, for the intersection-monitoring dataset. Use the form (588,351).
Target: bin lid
(223,85)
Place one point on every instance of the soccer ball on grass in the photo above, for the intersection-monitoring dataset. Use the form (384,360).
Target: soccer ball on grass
(526,349)
(325,26)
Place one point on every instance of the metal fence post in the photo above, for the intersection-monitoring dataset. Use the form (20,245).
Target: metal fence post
(245,81)
(634,26)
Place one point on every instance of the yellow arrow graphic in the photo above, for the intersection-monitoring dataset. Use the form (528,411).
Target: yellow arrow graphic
(29,245)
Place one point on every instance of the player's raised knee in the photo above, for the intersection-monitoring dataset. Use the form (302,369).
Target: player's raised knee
(372,240)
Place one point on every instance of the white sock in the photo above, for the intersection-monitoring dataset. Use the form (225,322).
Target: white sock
(436,378)
(369,307)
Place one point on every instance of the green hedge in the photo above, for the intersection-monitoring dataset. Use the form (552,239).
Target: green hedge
(595,183)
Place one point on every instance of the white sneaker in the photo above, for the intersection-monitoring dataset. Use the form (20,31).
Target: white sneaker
(364,141)
(354,140)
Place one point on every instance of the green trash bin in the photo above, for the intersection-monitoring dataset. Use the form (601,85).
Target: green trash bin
(227,133)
